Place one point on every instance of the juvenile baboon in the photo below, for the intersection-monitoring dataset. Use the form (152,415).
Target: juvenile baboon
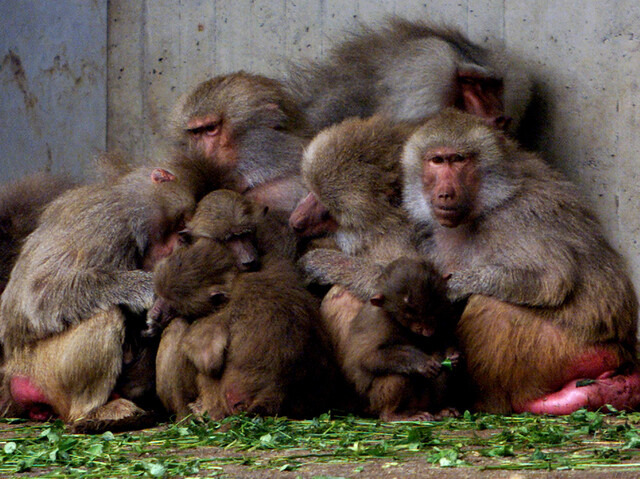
(21,203)
(190,282)
(193,282)
(251,231)
(550,300)
(395,346)
(409,71)
(225,227)
(218,364)
(261,351)
(249,124)
(82,275)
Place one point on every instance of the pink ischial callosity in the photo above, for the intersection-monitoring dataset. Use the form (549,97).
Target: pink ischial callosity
(622,391)
(31,398)
(594,381)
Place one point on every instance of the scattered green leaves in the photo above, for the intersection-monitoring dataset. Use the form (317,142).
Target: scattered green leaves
(581,440)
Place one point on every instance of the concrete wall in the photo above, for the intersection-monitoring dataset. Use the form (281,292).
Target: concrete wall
(53,104)
(583,55)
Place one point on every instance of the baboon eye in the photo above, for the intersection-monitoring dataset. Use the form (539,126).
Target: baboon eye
(437,160)
(210,129)
(184,237)
(458,158)
(239,236)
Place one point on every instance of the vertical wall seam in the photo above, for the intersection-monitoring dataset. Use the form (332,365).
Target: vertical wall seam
(107,90)
(144,95)
(504,23)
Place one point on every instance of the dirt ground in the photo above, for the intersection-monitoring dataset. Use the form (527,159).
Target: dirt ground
(233,463)
(415,467)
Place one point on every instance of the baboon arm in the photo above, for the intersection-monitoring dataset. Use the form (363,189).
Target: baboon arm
(329,266)
(512,285)
(401,359)
(206,344)
(104,289)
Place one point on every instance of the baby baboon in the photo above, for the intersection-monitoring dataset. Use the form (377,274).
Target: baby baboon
(250,230)
(395,346)
(262,350)
(550,300)
(226,227)
(353,173)
(254,335)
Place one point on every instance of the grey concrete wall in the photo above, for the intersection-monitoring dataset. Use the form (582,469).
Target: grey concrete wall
(53,64)
(585,58)
(158,49)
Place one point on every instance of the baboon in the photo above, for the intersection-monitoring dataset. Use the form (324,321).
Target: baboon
(21,203)
(190,282)
(353,173)
(241,230)
(82,277)
(193,282)
(550,302)
(249,124)
(239,340)
(409,71)
(395,346)
(260,350)
(250,230)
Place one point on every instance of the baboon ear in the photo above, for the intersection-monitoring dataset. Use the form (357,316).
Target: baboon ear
(218,295)
(160,175)
(377,300)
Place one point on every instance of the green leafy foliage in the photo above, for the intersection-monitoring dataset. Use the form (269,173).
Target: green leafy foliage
(205,448)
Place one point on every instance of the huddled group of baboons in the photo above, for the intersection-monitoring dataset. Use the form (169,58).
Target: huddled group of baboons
(365,235)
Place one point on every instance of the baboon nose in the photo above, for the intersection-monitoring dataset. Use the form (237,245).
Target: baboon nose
(297,227)
(250,265)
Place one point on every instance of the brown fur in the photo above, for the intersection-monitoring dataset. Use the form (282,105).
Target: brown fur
(175,374)
(395,345)
(263,352)
(353,173)
(21,203)
(254,335)
(226,216)
(226,225)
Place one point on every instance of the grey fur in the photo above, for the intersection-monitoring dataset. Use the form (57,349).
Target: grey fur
(403,69)
(531,240)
